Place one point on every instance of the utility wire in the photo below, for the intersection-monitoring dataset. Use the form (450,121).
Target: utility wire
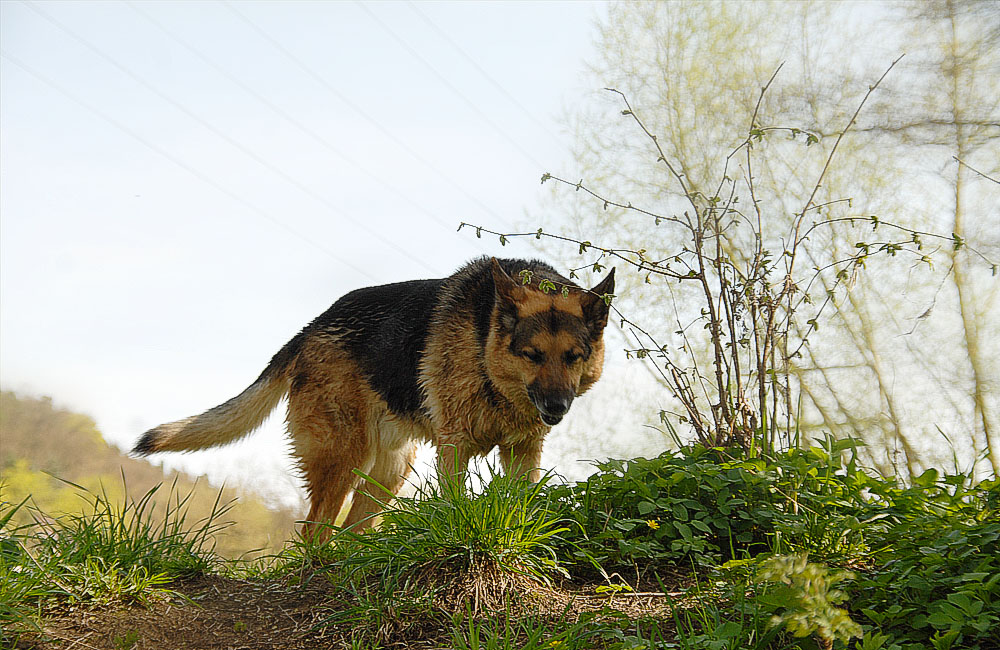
(450,227)
(458,93)
(183,165)
(486,75)
(264,163)
(364,115)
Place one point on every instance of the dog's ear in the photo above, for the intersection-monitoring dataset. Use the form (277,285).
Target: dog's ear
(508,294)
(595,308)
(507,288)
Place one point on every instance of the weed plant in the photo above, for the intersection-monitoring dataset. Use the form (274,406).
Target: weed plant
(936,576)
(439,550)
(923,554)
(133,534)
(509,525)
(727,616)
(705,506)
(23,579)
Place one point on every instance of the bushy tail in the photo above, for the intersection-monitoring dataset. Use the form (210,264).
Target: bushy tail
(230,420)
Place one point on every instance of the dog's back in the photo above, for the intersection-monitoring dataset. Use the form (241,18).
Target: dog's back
(384,329)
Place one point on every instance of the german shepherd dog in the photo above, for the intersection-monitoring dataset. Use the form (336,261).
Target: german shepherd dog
(469,362)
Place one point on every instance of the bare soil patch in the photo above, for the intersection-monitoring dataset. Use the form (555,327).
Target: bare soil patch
(222,613)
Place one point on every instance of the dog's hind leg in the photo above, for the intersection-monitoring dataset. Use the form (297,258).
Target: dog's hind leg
(329,477)
(388,474)
(330,438)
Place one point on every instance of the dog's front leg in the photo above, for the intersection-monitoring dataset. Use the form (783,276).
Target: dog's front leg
(522,459)
(453,461)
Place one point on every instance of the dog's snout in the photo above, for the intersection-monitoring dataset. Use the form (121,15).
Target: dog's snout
(552,406)
(556,404)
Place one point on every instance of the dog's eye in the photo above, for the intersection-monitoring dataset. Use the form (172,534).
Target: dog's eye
(534,356)
(572,357)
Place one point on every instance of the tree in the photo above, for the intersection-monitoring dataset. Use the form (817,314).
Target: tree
(956,112)
(886,368)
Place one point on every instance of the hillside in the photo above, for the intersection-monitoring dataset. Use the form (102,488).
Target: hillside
(44,450)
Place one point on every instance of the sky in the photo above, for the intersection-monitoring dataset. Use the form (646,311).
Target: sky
(187,184)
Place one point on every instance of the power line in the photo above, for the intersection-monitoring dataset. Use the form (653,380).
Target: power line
(183,165)
(458,93)
(291,119)
(364,114)
(486,75)
(243,149)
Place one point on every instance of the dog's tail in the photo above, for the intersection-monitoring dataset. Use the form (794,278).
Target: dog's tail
(230,420)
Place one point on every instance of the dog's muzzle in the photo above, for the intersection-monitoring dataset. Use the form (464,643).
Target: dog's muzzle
(552,407)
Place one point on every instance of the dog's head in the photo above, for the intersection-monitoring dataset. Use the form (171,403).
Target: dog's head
(546,348)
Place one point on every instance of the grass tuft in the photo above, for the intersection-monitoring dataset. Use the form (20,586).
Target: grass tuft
(108,552)
(481,545)
(135,534)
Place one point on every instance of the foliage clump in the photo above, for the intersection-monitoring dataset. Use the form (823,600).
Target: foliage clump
(907,565)
(807,598)
(111,551)
(922,554)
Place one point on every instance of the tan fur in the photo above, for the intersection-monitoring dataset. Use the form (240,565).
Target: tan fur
(531,301)
(223,424)
(475,398)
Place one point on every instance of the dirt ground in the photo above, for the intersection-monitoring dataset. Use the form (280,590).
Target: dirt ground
(221,613)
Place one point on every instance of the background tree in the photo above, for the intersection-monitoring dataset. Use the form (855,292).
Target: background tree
(905,354)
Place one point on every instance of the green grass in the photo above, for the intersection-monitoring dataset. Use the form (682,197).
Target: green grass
(443,544)
(109,551)
(510,526)
(133,534)
(604,630)
(803,549)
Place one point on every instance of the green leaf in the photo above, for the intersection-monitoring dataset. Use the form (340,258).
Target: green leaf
(728,630)
(960,599)
(701,525)
(974,577)
(927,479)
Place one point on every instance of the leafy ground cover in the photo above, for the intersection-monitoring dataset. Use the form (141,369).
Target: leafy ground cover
(694,549)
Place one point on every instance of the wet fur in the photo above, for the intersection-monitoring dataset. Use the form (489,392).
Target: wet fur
(469,363)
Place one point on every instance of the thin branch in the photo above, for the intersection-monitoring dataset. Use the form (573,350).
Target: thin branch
(962,162)
(663,157)
(829,159)
(611,202)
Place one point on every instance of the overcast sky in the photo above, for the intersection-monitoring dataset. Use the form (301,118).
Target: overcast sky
(186,184)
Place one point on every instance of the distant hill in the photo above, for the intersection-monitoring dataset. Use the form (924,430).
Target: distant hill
(39,442)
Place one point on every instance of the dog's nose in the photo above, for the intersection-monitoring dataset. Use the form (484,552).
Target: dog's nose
(556,405)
